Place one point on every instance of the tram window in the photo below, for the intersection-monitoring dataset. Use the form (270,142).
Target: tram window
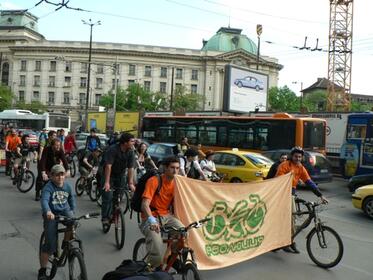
(189,131)
(241,138)
(222,137)
(165,134)
(207,135)
(356,131)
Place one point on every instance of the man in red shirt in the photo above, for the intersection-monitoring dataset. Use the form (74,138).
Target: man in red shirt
(156,210)
(11,143)
(70,143)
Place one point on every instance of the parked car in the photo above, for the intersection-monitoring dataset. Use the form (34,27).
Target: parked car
(362,199)
(81,138)
(316,164)
(249,82)
(160,151)
(359,180)
(241,166)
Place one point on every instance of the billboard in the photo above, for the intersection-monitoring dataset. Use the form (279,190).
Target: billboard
(244,90)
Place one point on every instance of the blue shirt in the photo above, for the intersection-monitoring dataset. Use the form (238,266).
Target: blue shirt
(57,199)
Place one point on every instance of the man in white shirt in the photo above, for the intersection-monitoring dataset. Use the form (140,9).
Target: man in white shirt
(208,164)
(190,167)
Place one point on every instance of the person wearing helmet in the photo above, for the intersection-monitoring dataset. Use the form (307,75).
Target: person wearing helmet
(294,165)
(190,167)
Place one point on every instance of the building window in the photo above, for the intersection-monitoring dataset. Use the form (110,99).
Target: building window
(179,73)
(82,98)
(97,99)
(113,83)
(83,82)
(21,96)
(163,72)
(193,88)
(38,65)
(37,81)
(194,74)
(53,66)
(66,98)
(23,65)
(148,71)
(68,66)
(98,82)
(35,96)
(52,81)
(22,80)
(100,69)
(162,87)
(147,85)
(132,70)
(131,82)
(83,67)
(67,82)
(51,98)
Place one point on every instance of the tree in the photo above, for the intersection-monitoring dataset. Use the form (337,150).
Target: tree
(183,101)
(34,106)
(360,107)
(283,99)
(6,97)
(315,101)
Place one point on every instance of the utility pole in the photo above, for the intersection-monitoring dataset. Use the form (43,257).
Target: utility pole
(259,30)
(172,90)
(115,90)
(91,24)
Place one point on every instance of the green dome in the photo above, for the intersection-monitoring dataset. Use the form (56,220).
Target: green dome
(229,39)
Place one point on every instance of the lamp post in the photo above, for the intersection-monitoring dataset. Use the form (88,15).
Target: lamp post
(259,30)
(91,24)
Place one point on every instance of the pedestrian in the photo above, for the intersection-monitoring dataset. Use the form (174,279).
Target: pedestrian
(273,170)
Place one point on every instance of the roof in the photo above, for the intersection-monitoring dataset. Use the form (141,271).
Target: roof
(321,83)
(229,39)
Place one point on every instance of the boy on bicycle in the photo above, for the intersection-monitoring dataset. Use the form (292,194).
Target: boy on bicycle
(89,161)
(23,151)
(56,199)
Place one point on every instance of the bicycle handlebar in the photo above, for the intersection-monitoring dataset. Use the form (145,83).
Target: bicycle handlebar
(71,219)
(196,224)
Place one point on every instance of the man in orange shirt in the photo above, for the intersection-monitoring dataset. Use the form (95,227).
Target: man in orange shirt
(156,210)
(11,143)
(294,165)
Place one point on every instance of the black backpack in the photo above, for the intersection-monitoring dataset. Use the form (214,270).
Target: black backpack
(139,270)
(140,187)
(193,172)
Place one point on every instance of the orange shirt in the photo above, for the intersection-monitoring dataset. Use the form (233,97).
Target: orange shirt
(298,170)
(13,142)
(163,200)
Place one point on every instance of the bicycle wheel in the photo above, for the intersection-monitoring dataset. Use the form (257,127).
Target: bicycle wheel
(324,246)
(125,202)
(26,181)
(191,272)
(77,269)
(72,167)
(79,186)
(52,266)
(120,229)
(139,251)
(92,190)
(301,213)
(98,197)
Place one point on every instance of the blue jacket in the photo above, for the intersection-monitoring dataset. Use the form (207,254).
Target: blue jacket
(57,199)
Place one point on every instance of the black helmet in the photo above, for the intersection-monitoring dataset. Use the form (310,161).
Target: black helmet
(297,149)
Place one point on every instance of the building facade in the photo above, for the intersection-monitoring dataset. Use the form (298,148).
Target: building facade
(55,72)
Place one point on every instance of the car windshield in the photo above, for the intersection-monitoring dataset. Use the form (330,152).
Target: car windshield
(258,159)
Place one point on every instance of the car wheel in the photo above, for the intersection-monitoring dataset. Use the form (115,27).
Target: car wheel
(368,207)
(236,180)
(257,88)
(239,84)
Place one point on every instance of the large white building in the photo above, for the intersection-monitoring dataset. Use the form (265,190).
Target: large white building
(55,72)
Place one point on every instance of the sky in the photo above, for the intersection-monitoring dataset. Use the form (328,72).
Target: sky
(185,23)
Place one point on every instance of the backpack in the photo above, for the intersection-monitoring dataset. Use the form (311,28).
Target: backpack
(139,270)
(193,172)
(140,188)
(80,155)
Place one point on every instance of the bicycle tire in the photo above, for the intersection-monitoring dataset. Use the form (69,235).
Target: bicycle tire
(125,202)
(72,167)
(98,197)
(92,190)
(52,270)
(137,250)
(300,219)
(79,187)
(120,229)
(25,176)
(76,254)
(190,268)
(318,261)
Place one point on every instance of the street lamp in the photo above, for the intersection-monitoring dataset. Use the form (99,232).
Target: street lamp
(91,24)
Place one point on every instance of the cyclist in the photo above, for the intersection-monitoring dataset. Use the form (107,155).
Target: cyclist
(201,154)
(23,151)
(11,143)
(273,170)
(44,142)
(61,136)
(190,167)
(93,141)
(184,145)
(89,161)
(57,199)
(155,210)
(208,165)
(294,164)
(116,160)
(70,143)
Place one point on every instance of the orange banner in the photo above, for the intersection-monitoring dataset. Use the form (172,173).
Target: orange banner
(247,219)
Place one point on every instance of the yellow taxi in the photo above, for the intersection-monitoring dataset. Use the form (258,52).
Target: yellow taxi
(362,199)
(241,166)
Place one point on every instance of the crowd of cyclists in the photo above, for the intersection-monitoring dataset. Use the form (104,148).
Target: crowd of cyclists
(123,162)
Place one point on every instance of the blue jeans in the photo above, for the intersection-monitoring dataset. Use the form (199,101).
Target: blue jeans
(107,197)
(50,230)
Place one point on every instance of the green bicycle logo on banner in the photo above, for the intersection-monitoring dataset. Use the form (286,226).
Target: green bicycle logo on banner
(246,218)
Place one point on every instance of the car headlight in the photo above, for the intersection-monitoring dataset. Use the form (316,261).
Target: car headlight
(259,174)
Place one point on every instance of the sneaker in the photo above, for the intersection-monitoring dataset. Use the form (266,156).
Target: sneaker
(42,274)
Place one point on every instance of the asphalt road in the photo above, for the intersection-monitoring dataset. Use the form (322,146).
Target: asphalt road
(21,226)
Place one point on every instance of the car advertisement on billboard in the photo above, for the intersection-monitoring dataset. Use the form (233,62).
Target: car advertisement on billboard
(244,90)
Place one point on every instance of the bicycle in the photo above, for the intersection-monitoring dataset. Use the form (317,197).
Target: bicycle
(71,162)
(181,258)
(25,178)
(72,252)
(88,184)
(320,238)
